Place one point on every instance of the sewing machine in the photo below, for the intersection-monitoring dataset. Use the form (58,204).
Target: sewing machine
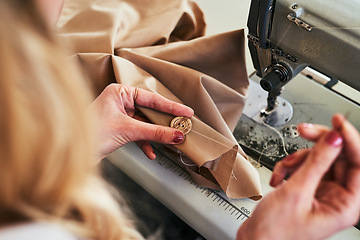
(316,43)
(286,38)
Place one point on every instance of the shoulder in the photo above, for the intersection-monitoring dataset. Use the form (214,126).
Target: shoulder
(38,231)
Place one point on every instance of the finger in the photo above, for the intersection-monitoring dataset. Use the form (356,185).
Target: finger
(147,149)
(287,166)
(156,101)
(351,138)
(318,162)
(294,160)
(311,132)
(339,171)
(141,118)
(156,133)
(352,182)
(351,151)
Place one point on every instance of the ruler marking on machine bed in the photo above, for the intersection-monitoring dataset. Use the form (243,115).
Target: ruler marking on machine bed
(219,200)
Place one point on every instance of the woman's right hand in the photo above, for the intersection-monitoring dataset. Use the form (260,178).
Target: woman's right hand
(322,194)
(313,132)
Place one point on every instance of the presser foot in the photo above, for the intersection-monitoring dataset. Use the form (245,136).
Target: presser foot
(278,116)
(256,109)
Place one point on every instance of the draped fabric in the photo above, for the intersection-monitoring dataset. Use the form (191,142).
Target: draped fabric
(158,45)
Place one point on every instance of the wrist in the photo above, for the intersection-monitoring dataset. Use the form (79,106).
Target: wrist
(242,233)
(250,231)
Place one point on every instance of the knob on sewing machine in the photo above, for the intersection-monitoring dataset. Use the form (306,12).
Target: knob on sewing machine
(272,82)
(287,36)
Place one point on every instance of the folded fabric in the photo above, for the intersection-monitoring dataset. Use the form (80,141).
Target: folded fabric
(157,46)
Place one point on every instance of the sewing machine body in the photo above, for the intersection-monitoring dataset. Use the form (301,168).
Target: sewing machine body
(319,39)
(285,36)
(311,101)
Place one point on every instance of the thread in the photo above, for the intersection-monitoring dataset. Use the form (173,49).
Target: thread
(281,137)
(186,164)
(261,153)
(277,45)
(349,28)
(182,160)
(210,139)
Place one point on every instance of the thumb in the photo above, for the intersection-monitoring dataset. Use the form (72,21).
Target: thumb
(156,133)
(318,162)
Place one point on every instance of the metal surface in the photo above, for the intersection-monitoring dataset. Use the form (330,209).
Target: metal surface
(256,104)
(292,17)
(209,212)
(290,131)
(305,33)
(333,45)
(311,102)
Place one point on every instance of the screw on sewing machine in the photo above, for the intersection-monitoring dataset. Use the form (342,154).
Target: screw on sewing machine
(292,17)
(277,52)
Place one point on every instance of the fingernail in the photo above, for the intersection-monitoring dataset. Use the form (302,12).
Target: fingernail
(307,125)
(273,180)
(153,155)
(178,137)
(288,158)
(334,139)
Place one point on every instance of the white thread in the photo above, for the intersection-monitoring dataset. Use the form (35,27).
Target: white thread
(281,137)
(183,162)
(337,27)
(261,153)
(210,139)
(281,40)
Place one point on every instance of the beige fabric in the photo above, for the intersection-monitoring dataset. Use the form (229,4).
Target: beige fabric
(156,45)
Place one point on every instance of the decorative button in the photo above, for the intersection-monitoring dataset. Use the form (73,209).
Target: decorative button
(182,123)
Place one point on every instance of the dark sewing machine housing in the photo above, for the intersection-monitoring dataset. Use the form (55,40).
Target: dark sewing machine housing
(287,37)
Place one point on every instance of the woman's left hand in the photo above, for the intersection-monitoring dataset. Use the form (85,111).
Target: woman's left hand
(120,124)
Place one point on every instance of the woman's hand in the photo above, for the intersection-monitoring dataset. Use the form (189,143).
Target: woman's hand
(322,195)
(120,123)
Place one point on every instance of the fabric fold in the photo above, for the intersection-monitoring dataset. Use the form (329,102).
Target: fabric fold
(157,46)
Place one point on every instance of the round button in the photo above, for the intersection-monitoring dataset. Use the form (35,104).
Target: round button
(182,123)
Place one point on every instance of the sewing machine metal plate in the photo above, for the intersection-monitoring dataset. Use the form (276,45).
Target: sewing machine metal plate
(210,212)
(311,102)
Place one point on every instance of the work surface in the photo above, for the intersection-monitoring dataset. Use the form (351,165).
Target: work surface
(210,212)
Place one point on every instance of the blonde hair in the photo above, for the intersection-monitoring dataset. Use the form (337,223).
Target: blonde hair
(47,155)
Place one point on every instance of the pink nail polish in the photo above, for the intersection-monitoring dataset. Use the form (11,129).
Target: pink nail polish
(288,158)
(334,139)
(153,155)
(178,137)
(307,125)
(273,180)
